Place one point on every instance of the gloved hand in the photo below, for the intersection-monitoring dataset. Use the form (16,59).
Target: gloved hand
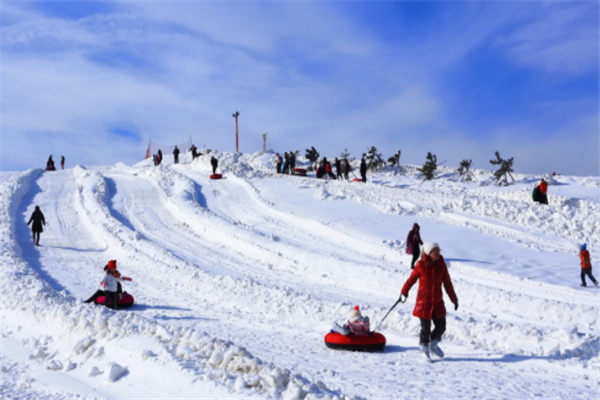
(456,306)
(126,278)
(103,284)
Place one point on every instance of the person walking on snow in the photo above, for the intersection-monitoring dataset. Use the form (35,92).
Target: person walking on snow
(431,272)
(37,217)
(215,163)
(62,162)
(176,155)
(586,265)
(413,242)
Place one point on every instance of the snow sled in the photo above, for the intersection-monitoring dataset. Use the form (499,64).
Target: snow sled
(216,176)
(300,171)
(125,300)
(375,341)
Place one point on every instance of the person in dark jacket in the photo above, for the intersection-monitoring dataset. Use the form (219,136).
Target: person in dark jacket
(38,221)
(292,163)
(62,162)
(363,170)
(50,164)
(346,168)
(338,167)
(176,155)
(413,243)
(215,163)
(431,272)
(278,163)
(194,152)
(160,156)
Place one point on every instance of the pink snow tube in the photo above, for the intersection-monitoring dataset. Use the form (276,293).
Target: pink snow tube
(125,300)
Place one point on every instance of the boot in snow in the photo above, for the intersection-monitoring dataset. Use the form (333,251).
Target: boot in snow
(595,283)
(435,349)
(425,351)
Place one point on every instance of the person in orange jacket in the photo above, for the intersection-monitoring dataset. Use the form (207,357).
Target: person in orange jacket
(586,265)
(540,192)
(431,272)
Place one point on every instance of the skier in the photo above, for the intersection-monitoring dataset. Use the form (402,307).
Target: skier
(586,265)
(363,170)
(176,155)
(62,162)
(413,242)
(215,163)
(540,192)
(356,324)
(432,273)
(278,163)
(37,217)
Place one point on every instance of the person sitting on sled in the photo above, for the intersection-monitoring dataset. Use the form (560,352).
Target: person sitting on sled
(111,285)
(357,324)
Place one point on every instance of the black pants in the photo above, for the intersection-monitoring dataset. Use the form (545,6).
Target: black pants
(416,253)
(214,169)
(363,177)
(95,296)
(587,272)
(111,299)
(427,334)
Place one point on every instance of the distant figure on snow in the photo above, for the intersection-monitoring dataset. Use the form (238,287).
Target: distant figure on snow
(278,163)
(586,265)
(194,151)
(346,168)
(50,164)
(215,163)
(431,272)
(37,217)
(363,170)
(176,155)
(338,167)
(62,162)
(540,192)
(160,156)
(413,243)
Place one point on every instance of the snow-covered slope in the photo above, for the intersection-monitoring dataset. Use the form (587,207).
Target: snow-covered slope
(237,281)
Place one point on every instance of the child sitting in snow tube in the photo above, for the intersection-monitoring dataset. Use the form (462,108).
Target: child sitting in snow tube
(355,334)
(112,296)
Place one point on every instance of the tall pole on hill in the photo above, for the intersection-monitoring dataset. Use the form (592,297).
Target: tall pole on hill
(236,115)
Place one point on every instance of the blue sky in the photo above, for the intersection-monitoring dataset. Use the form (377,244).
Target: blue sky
(94,81)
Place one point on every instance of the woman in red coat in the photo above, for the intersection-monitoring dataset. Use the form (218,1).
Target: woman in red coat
(431,272)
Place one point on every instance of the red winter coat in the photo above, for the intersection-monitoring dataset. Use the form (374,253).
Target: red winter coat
(431,275)
(585,259)
(543,187)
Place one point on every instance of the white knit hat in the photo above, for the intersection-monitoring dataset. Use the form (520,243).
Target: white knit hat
(428,246)
(355,313)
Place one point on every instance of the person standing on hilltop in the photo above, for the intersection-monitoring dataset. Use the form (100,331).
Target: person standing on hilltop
(176,155)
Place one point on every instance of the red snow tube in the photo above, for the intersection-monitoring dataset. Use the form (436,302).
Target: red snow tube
(125,300)
(373,342)
(300,171)
(216,176)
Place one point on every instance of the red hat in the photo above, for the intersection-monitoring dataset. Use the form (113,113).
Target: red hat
(112,264)
(356,307)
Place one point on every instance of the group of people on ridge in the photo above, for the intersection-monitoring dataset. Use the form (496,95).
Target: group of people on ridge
(285,164)
(50,163)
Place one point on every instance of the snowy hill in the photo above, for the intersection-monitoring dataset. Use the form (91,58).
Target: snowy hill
(237,281)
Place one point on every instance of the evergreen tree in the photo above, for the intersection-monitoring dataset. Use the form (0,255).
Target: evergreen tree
(502,174)
(312,155)
(465,172)
(428,169)
(346,155)
(373,159)
(395,161)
